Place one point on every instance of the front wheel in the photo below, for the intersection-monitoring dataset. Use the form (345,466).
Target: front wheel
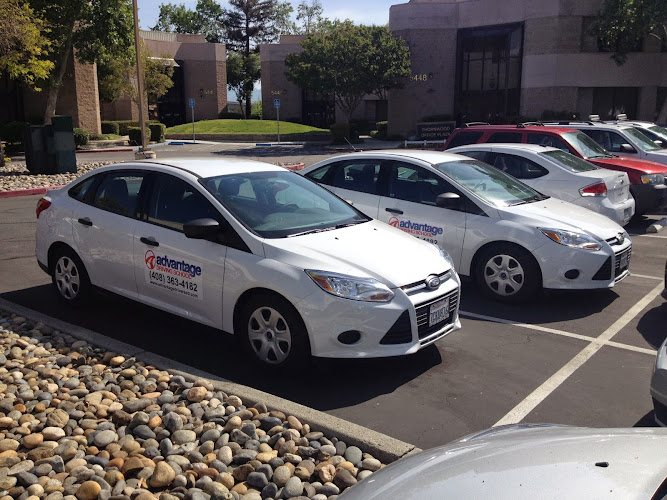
(70,278)
(508,273)
(273,331)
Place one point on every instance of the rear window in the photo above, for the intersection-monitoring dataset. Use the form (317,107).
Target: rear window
(505,137)
(464,138)
(569,162)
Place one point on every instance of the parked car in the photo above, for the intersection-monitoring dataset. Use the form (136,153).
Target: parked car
(647,179)
(510,238)
(562,175)
(620,138)
(653,131)
(529,461)
(251,249)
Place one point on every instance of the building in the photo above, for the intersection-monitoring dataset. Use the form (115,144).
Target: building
(498,60)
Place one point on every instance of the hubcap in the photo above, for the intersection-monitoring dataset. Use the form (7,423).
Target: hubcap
(504,275)
(67,278)
(269,335)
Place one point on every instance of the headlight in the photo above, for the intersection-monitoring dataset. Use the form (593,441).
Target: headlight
(653,179)
(351,287)
(570,239)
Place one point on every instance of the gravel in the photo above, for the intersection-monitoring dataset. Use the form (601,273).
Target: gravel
(15,176)
(80,423)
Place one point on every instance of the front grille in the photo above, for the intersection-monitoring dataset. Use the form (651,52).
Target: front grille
(604,273)
(622,255)
(400,332)
(660,411)
(419,285)
(423,312)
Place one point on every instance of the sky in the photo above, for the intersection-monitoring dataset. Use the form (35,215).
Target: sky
(361,12)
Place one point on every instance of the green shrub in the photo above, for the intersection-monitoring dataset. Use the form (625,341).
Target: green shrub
(437,118)
(231,116)
(340,132)
(104,137)
(359,127)
(135,135)
(550,114)
(255,117)
(110,128)
(13,131)
(157,132)
(81,136)
(292,119)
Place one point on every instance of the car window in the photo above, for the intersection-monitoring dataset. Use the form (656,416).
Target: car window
(173,202)
(80,190)
(585,146)
(464,138)
(505,137)
(569,161)
(118,193)
(661,132)
(641,140)
(518,166)
(320,175)
(547,140)
(412,183)
(357,175)
(611,141)
(477,155)
(279,204)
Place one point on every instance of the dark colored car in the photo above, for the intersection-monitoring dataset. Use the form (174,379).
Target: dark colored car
(647,178)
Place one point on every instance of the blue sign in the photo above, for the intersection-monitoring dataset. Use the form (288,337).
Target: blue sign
(276,103)
(192,102)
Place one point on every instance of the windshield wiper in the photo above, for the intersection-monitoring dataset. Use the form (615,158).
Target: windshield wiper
(348,224)
(311,231)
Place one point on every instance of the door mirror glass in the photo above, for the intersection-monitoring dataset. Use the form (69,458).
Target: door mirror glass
(626,148)
(659,143)
(202,229)
(450,201)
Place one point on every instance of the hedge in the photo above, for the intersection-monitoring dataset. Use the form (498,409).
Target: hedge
(110,128)
(340,132)
(125,125)
(157,131)
(135,135)
(231,116)
(81,137)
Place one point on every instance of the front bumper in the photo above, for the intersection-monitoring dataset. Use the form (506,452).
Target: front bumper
(649,198)
(659,385)
(385,329)
(575,269)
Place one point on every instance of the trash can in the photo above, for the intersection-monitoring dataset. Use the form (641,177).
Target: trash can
(37,158)
(50,149)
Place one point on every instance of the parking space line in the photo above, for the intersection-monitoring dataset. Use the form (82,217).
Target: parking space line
(654,236)
(646,276)
(520,411)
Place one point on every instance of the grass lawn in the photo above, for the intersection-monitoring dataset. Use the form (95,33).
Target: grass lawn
(104,137)
(242,127)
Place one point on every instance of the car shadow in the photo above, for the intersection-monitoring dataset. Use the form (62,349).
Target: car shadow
(323,384)
(651,325)
(277,151)
(647,420)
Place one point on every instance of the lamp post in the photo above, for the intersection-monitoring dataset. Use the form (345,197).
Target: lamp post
(142,153)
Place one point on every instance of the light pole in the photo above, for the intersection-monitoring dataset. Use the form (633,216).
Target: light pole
(142,153)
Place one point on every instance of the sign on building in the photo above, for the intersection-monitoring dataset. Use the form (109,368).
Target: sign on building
(434,131)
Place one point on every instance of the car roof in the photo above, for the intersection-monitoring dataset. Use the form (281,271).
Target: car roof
(518,128)
(432,157)
(535,148)
(209,167)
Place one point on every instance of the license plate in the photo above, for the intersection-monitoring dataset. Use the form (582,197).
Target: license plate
(438,312)
(623,261)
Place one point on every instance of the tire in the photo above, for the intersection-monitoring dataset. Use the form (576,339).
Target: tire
(273,332)
(508,273)
(70,278)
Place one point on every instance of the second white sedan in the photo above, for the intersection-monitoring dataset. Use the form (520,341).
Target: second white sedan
(561,175)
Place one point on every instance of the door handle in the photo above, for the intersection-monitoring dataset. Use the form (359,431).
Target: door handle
(394,211)
(149,241)
(85,221)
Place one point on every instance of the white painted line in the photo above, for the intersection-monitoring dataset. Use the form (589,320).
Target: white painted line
(654,236)
(520,411)
(645,276)
(562,333)
(657,226)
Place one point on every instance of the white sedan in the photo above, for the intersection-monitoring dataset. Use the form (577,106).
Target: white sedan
(251,249)
(561,175)
(512,239)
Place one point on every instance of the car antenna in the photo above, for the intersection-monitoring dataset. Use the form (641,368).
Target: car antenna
(351,145)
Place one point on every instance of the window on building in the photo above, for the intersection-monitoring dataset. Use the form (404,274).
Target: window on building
(611,101)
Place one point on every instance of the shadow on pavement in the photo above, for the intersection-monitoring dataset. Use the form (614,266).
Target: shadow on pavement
(276,151)
(652,325)
(647,420)
(323,384)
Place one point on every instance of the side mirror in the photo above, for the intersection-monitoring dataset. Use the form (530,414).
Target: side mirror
(626,148)
(451,201)
(659,143)
(201,229)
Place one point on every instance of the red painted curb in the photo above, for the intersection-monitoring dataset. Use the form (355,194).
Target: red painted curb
(28,192)
(109,150)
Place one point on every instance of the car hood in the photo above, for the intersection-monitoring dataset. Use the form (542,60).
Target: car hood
(644,166)
(528,461)
(372,249)
(557,214)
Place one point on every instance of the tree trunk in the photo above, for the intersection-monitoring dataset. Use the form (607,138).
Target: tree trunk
(54,88)
(662,116)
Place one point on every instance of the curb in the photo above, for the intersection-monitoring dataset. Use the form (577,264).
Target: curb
(657,226)
(105,150)
(28,192)
(381,446)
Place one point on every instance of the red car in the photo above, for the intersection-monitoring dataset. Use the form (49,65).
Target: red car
(647,178)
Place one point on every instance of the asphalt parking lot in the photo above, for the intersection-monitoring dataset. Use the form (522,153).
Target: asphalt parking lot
(581,358)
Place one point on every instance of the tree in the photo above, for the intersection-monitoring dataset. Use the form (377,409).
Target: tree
(621,24)
(249,23)
(93,28)
(310,15)
(206,19)
(242,73)
(350,62)
(283,23)
(22,45)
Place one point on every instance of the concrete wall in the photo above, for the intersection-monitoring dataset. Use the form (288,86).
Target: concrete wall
(275,84)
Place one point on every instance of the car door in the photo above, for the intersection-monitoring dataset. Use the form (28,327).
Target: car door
(175,273)
(354,180)
(103,230)
(410,206)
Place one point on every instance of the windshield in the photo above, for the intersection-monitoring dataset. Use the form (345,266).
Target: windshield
(641,140)
(661,132)
(586,146)
(569,161)
(280,204)
(488,183)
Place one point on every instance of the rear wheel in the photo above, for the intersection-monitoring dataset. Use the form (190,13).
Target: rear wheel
(508,273)
(69,277)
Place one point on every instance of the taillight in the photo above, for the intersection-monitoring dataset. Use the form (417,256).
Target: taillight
(42,205)
(598,189)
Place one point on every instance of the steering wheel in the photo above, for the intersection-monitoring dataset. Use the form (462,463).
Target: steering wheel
(481,185)
(291,207)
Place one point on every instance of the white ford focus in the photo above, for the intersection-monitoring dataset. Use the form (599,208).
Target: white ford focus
(512,239)
(251,249)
